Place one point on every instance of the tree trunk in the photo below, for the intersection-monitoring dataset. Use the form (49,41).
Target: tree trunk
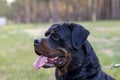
(99,9)
(45,11)
(65,17)
(34,11)
(92,10)
(115,9)
(94,2)
(27,11)
(54,11)
(74,15)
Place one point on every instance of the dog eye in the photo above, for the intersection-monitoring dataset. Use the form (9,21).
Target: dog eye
(55,36)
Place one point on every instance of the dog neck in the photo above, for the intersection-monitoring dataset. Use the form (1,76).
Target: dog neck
(80,73)
(89,67)
(82,69)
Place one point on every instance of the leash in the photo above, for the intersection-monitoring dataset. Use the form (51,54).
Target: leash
(112,66)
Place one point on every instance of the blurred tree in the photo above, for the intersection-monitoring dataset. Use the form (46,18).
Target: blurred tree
(3,8)
(99,9)
(93,9)
(34,10)
(45,11)
(116,9)
(75,9)
(54,10)
(66,10)
(26,11)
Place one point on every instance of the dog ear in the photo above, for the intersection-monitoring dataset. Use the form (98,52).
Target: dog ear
(79,35)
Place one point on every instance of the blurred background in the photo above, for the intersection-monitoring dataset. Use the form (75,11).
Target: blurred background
(21,21)
(34,11)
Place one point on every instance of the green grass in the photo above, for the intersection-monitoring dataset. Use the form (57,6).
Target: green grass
(17,55)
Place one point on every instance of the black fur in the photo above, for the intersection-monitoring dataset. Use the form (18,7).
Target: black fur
(84,64)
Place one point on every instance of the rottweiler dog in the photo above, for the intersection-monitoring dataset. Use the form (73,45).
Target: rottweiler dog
(66,47)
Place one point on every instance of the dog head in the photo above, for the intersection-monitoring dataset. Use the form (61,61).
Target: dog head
(59,47)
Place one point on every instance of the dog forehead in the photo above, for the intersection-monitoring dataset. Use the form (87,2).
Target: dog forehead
(60,29)
(59,26)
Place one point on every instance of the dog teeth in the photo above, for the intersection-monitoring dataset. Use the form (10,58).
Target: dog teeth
(52,59)
(46,60)
(55,58)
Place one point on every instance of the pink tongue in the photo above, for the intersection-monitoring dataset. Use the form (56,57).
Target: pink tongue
(40,61)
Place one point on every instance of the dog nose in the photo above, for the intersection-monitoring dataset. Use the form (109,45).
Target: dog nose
(37,41)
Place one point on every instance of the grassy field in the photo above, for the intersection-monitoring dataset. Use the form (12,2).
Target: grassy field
(17,55)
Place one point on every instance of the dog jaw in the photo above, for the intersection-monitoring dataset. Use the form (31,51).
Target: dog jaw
(62,70)
(54,57)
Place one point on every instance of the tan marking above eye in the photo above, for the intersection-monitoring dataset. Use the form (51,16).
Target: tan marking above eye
(52,32)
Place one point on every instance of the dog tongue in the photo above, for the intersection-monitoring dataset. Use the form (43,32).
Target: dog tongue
(40,61)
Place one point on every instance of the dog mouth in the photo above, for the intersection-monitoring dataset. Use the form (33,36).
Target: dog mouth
(49,62)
